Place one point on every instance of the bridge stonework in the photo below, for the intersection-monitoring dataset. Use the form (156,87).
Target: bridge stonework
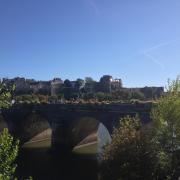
(23,120)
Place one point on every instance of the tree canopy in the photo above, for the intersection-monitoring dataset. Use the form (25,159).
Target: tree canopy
(5,96)
(147,153)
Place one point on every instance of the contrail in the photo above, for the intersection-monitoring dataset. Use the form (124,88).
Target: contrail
(146,52)
(161,45)
(155,60)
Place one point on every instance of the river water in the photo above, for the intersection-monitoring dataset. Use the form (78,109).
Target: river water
(81,164)
(42,164)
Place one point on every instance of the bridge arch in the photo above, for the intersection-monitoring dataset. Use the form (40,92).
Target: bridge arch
(81,128)
(36,131)
(87,130)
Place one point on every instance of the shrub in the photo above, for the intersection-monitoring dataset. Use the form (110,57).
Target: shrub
(8,153)
(133,154)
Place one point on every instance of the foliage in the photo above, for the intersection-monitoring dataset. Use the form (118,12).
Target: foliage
(27,98)
(79,83)
(31,98)
(67,83)
(67,89)
(88,96)
(5,96)
(103,96)
(121,95)
(166,117)
(133,154)
(8,147)
(42,98)
(137,95)
(8,153)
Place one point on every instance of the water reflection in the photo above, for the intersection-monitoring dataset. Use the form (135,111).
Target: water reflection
(42,164)
(81,164)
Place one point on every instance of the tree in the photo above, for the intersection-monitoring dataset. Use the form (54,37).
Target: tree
(67,83)
(137,95)
(29,99)
(67,90)
(133,154)
(121,95)
(8,146)
(79,84)
(5,96)
(8,153)
(103,96)
(166,118)
(88,96)
(148,93)
(89,80)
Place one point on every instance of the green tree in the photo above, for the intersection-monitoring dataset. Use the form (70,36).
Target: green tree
(88,96)
(103,96)
(79,83)
(8,146)
(5,96)
(8,153)
(121,95)
(27,98)
(67,90)
(78,88)
(133,154)
(89,80)
(137,95)
(166,118)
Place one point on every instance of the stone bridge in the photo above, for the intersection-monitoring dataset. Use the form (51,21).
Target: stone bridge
(66,124)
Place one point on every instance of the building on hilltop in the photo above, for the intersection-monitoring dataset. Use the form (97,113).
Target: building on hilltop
(107,84)
(148,92)
(56,84)
(20,84)
(41,87)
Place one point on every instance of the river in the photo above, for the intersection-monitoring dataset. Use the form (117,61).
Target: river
(42,164)
(38,161)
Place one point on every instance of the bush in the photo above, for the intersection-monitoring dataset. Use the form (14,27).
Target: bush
(137,95)
(8,153)
(5,96)
(133,154)
(166,118)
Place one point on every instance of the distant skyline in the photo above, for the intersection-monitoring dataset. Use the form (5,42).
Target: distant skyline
(137,41)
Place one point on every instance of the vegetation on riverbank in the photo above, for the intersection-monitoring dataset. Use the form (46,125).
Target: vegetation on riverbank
(8,146)
(147,153)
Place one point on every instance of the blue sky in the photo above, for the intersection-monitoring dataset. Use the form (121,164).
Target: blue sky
(136,40)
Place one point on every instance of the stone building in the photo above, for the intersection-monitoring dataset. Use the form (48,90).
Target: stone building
(41,87)
(20,83)
(107,84)
(148,92)
(56,84)
(116,84)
